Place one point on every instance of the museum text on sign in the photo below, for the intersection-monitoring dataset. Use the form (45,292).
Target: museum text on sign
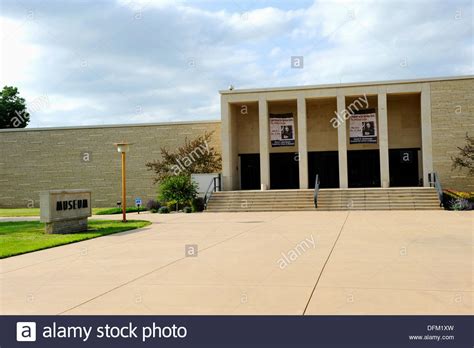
(65,211)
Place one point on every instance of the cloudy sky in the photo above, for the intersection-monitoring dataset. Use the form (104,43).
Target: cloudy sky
(121,61)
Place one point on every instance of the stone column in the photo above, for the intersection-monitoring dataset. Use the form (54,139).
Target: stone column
(383,139)
(302,143)
(227,153)
(264,141)
(342,142)
(426,141)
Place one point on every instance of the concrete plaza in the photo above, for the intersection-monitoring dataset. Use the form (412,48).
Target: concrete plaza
(357,262)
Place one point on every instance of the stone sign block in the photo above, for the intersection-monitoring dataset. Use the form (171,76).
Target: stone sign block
(65,211)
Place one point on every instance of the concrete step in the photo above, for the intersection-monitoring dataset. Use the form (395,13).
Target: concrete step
(328,199)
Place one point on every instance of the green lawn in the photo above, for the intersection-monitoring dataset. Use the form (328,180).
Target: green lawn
(22,212)
(19,212)
(108,211)
(25,236)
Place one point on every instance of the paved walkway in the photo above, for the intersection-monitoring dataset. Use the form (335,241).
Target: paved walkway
(360,262)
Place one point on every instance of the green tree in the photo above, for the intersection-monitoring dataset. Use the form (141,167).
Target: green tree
(195,156)
(13,113)
(465,157)
(178,188)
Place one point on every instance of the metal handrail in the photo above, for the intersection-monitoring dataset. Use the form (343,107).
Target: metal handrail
(434,182)
(207,195)
(316,190)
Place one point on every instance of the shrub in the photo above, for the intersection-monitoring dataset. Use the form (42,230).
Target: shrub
(459,194)
(187,210)
(178,188)
(172,205)
(163,210)
(197,204)
(153,205)
(458,200)
(460,204)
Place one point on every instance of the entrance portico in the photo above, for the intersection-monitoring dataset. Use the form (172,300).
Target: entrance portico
(319,139)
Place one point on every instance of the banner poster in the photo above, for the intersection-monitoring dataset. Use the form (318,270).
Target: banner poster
(363,129)
(282,130)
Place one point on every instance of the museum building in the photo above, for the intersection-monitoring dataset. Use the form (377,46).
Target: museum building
(379,134)
(374,142)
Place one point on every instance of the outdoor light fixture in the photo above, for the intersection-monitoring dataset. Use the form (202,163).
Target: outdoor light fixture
(123,148)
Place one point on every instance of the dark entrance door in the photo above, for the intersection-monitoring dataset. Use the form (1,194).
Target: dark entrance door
(326,165)
(403,164)
(363,168)
(284,173)
(250,172)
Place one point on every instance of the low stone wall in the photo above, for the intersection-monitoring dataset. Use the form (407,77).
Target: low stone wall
(34,160)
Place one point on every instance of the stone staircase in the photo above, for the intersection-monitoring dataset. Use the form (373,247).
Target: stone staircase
(270,200)
(412,198)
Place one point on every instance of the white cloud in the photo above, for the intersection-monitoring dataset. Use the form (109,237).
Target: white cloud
(61,103)
(16,52)
(100,63)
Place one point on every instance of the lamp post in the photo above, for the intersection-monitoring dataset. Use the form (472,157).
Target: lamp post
(123,148)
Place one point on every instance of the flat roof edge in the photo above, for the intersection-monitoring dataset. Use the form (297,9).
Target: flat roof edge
(125,125)
(341,85)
